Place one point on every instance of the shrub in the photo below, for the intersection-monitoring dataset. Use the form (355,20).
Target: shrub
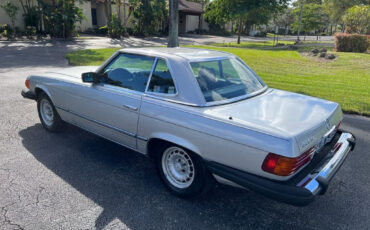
(32,17)
(60,17)
(351,42)
(262,34)
(219,32)
(357,19)
(11,11)
(115,29)
(103,30)
(6,31)
(31,31)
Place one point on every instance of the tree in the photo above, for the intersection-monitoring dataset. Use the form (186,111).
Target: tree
(61,16)
(11,10)
(108,10)
(337,8)
(301,3)
(149,15)
(226,10)
(285,19)
(262,15)
(357,18)
(313,17)
(31,13)
(173,33)
(215,17)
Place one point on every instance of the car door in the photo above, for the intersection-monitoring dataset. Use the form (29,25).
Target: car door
(111,108)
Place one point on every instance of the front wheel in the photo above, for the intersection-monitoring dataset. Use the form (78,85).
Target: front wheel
(49,117)
(183,172)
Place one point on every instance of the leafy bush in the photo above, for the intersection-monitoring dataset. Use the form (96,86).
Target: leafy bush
(31,16)
(11,11)
(5,31)
(150,16)
(352,42)
(103,30)
(115,29)
(262,34)
(61,17)
(31,31)
(219,32)
(130,31)
(357,19)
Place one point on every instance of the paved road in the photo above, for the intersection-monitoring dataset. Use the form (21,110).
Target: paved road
(75,180)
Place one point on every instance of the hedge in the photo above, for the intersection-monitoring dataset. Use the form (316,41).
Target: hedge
(352,42)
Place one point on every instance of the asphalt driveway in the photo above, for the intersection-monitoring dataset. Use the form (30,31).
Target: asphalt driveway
(75,180)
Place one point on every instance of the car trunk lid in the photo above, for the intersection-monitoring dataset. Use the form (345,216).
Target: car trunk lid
(282,114)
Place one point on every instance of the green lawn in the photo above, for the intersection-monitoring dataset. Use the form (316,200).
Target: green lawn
(269,45)
(253,45)
(345,80)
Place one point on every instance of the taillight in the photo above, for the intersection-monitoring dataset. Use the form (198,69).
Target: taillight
(337,127)
(27,83)
(285,166)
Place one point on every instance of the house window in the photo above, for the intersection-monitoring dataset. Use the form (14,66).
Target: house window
(93,17)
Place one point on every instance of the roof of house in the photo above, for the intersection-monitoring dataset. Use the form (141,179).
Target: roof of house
(190,7)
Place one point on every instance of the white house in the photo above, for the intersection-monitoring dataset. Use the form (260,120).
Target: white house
(189,15)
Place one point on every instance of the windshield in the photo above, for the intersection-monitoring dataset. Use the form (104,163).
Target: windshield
(225,79)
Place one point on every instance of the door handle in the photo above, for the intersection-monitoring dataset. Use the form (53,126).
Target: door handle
(130,107)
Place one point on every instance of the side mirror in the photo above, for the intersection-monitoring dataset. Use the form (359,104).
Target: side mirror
(90,77)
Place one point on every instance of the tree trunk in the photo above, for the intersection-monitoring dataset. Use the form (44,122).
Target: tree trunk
(240,29)
(201,19)
(119,12)
(124,13)
(200,24)
(108,10)
(300,18)
(13,25)
(173,33)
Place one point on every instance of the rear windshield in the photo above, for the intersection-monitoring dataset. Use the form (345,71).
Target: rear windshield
(225,79)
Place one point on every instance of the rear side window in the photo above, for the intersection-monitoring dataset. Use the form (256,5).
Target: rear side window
(225,79)
(161,81)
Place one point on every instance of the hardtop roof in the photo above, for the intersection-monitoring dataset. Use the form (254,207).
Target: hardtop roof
(190,54)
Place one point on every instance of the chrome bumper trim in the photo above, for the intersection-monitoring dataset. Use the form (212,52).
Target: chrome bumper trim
(320,177)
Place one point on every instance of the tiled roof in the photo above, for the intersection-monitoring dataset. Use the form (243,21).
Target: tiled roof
(190,7)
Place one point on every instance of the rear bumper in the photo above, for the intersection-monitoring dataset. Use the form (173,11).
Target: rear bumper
(28,94)
(301,192)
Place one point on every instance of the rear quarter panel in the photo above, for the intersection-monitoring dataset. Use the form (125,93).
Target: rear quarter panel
(213,140)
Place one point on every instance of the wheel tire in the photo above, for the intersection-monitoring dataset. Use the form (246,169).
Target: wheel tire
(199,183)
(48,115)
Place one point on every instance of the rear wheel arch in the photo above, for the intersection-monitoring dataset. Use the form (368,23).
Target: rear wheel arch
(154,144)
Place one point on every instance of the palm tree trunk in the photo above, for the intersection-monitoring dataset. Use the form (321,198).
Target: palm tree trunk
(300,18)
(173,33)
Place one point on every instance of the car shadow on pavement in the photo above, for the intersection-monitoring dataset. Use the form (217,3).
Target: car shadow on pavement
(124,183)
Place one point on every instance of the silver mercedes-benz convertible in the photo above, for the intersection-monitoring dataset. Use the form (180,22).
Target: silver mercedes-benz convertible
(202,116)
